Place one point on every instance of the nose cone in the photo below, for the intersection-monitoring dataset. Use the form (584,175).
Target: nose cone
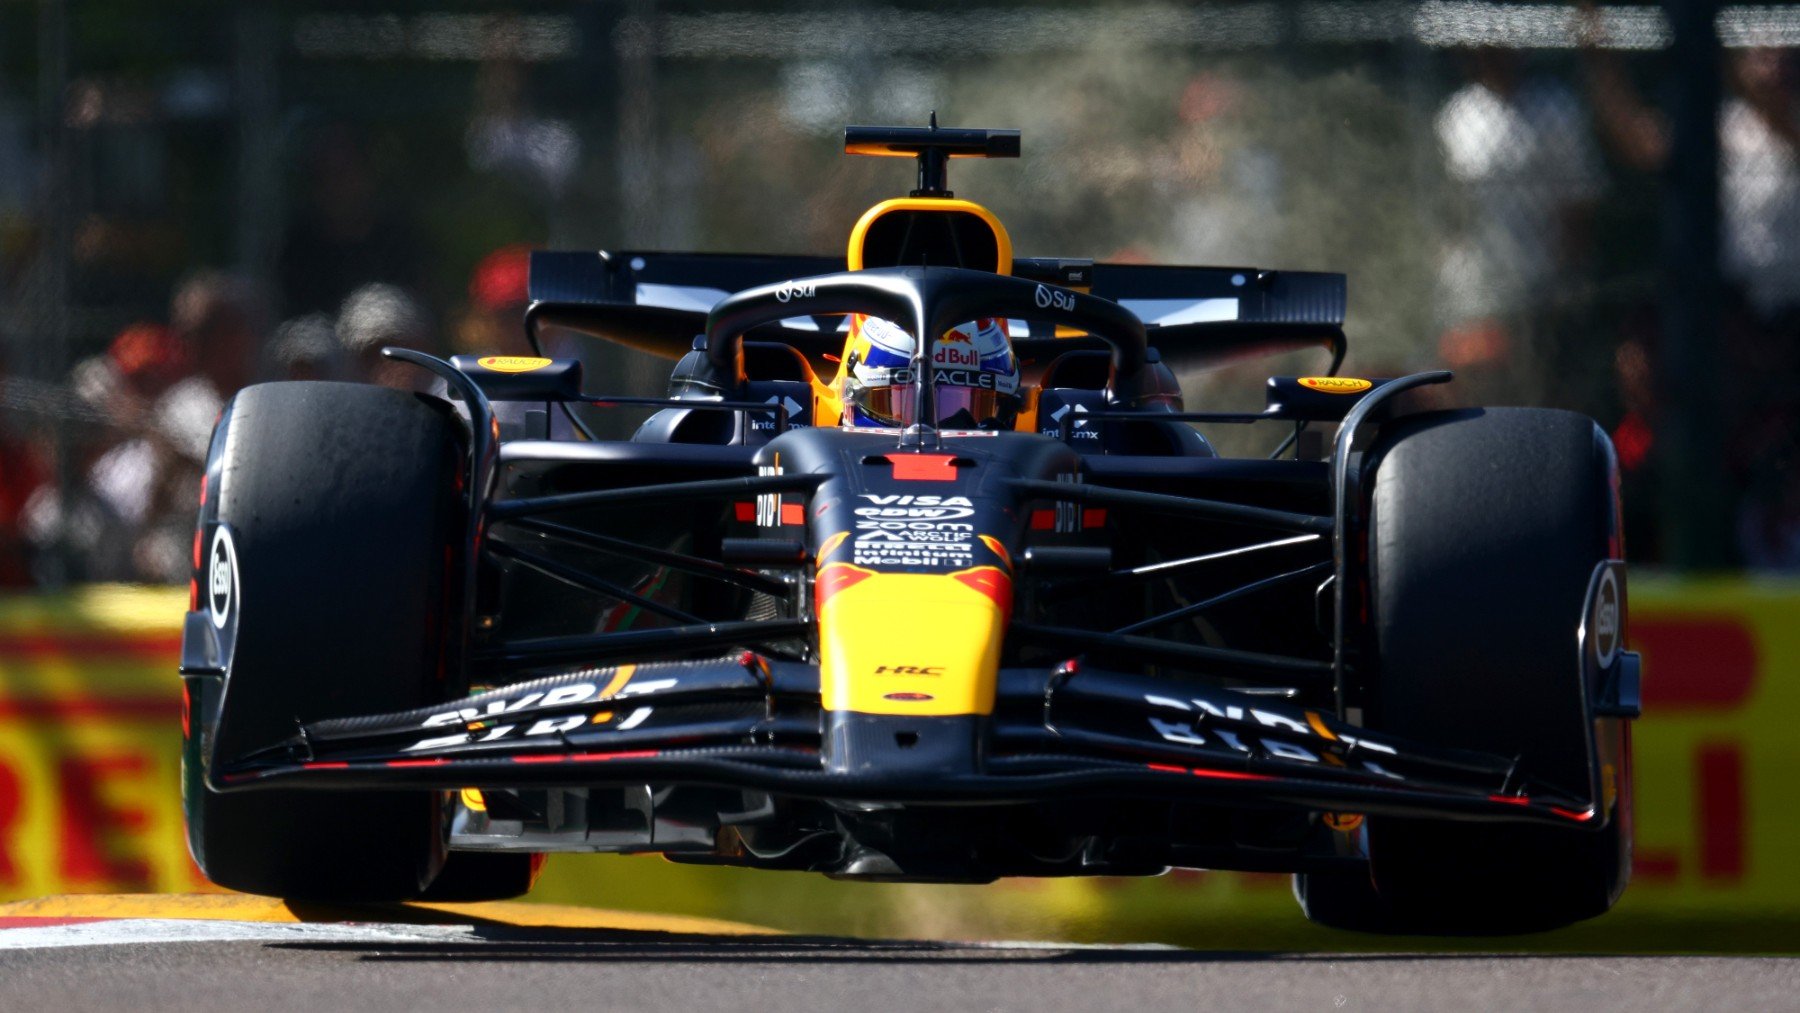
(912,644)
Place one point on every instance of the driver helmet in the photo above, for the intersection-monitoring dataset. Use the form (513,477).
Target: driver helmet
(974,372)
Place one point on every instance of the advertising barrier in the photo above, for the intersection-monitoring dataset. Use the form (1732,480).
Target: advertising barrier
(89,797)
(90,743)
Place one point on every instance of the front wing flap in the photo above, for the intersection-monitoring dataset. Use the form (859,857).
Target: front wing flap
(749,722)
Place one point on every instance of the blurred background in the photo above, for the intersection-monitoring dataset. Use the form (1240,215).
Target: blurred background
(1594,207)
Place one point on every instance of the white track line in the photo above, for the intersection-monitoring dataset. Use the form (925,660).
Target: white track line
(128,931)
(1031,944)
(136,931)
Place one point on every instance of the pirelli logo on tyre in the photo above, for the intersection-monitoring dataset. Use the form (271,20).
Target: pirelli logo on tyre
(1335,384)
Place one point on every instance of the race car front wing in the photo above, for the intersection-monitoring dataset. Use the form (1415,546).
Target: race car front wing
(754,723)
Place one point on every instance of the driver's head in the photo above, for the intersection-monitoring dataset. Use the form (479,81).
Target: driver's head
(975,376)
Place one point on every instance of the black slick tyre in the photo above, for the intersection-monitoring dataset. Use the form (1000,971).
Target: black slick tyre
(341,504)
(480,875)
(1485,527)
(1340,900)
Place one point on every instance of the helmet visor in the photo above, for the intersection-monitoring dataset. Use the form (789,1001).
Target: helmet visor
(896,405)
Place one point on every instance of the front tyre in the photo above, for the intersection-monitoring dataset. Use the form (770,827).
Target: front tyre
(343,518)
(1485,527)
(470,876)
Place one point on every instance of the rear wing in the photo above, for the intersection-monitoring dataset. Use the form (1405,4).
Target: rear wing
(1196,316)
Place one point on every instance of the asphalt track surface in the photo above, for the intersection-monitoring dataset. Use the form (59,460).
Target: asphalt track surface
(456,961)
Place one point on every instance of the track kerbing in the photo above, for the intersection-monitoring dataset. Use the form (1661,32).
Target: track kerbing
(233,907)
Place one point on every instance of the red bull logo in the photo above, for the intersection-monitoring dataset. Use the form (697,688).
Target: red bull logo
(946,354)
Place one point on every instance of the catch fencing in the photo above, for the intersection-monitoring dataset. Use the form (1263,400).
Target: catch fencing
(1507,184)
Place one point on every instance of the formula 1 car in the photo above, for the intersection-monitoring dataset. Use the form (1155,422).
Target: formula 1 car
(434,638)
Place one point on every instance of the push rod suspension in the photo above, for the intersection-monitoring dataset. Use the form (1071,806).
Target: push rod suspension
(717,488)
(695,565)
(1156,502)
(642,643)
